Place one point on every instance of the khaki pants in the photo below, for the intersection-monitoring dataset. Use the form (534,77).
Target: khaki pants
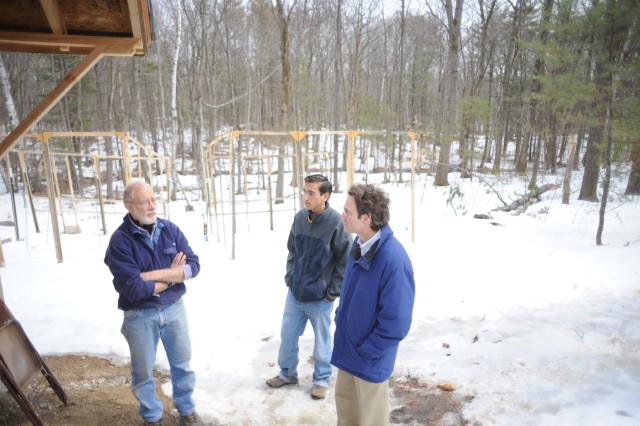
(361,403)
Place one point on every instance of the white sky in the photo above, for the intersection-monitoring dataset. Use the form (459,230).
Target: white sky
(556,317)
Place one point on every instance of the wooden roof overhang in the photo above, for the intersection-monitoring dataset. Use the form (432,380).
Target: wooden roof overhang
(93,28)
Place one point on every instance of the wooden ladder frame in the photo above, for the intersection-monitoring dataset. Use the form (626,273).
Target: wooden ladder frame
(20,363)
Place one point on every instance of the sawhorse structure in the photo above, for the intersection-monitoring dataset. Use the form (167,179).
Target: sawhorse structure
(20,363)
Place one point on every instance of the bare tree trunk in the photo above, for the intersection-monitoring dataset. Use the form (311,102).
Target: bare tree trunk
(356,65)
(566,182)
(337,93)
(502,138)
(137,123)
(537,115)
(613,29)
(490,133)
(606,160)
(103,71)
(454,17)
(201,141)
(162,110)
(283,21)
(174,106)
(5,84)
(633,185)
(589,187)
(551,147)
(400,109)
(230,78)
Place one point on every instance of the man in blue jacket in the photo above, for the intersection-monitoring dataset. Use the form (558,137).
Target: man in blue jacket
(318,250)
(150,258)
(375,311)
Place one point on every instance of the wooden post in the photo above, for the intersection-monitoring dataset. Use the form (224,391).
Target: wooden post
(351,155)
(12,196)
(269,197)
(73,197)
(412,138)
(96,166)
(232,186)
(126,157)
(46,156)
(27,186)
(1,264)
(58,194)
(298,136)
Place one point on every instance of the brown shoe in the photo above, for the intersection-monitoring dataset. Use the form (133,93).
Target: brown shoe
(191,419)
(318,392)
(278,382)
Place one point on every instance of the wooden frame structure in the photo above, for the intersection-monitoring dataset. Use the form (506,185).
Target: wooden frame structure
(74,27)
(55,173)
(213,153)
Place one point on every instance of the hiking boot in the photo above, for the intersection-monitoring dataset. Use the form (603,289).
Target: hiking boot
(318,392)
(153,422)
(191,419)
(278,382)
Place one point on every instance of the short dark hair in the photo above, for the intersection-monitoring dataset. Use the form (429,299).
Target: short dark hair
(372,201)
(325,185)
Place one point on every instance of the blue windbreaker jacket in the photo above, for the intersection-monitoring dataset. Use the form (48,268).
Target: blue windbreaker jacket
(132,251)
(375,311)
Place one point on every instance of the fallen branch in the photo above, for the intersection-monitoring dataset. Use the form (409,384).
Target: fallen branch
(521,204)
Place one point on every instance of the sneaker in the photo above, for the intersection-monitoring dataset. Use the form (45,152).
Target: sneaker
(318,392)
(191,419)
(278,382)
(153,422)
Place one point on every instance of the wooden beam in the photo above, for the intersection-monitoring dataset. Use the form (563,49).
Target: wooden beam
(54,16)
(135,17)
(51,99)
(14,41)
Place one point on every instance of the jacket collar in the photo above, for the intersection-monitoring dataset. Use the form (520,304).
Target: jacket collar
(318,217)
(368,256)
(135,228)
(365,261)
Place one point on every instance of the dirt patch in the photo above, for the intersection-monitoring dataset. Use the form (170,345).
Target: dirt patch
(99,394)
(421,404)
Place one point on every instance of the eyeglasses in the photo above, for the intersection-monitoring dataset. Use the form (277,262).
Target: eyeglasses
(145,203)
(309,193)
(347,212)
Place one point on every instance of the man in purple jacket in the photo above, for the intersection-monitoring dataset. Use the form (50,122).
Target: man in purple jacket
(375,311)
(150,259)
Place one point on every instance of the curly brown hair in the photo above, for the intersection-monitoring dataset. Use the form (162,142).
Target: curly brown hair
(373,201)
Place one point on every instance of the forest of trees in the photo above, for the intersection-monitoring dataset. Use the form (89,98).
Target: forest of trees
(507,84)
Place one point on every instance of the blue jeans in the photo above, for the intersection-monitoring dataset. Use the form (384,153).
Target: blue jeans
(142,329)
(294,321)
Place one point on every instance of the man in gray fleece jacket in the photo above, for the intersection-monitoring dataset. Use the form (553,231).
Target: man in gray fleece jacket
(318,251)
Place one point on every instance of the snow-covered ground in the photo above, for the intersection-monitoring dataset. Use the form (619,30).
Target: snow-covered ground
(525,313)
